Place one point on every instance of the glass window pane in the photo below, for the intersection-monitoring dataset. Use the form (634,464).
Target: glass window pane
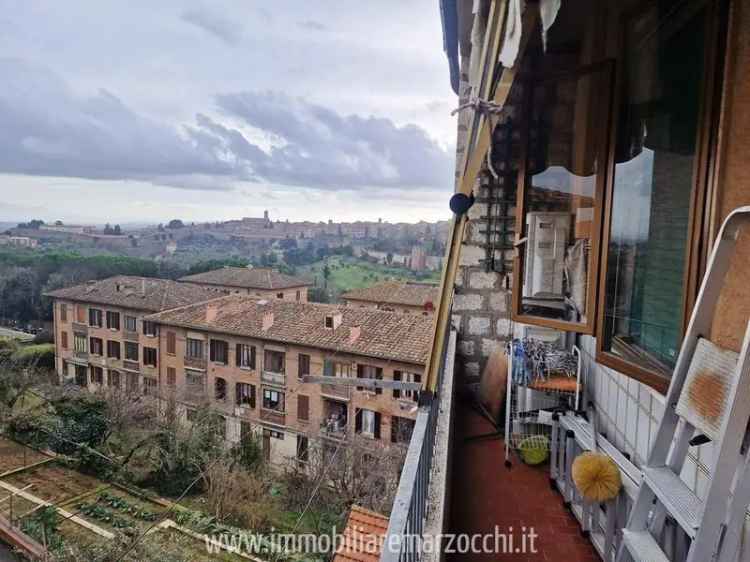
(654,178)
(563,182)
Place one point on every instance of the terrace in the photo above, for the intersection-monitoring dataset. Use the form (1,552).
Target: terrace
(616,287)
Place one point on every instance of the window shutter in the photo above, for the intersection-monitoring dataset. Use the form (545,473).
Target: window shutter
(252,358)
(64,340)
(238,354)
(171,342)
(379,376)
(328,368)
(394,429)
(360,374)
(303,407)
(358,422)
(396,391)
(417,378)
(252,396)
(377,425)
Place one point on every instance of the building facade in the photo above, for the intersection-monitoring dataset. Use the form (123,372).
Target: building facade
(254,281)
(401,296)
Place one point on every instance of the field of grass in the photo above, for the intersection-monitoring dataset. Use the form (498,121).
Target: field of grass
(351,273)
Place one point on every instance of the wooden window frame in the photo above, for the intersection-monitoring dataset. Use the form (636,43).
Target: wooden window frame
(592,300)
(704,187)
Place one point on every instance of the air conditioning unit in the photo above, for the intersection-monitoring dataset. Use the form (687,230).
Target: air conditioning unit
(547,235)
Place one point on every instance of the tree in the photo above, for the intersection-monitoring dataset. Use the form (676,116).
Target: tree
(117,230)
(175,223)
(389,258)
(326,275)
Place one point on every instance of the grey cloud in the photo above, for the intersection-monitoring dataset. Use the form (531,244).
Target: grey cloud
(312,25)
(215,24)
(48,131)
(324,149)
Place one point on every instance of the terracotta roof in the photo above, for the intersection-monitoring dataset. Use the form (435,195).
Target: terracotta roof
(362,537)
(382,334)
(247,278)
(140,293)
(396,292)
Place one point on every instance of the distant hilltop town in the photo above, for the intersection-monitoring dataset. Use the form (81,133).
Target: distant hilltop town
(418,245)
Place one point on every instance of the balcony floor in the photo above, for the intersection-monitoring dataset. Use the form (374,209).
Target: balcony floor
(484,493)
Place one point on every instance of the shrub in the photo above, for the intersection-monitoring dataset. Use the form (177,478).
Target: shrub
(40,355)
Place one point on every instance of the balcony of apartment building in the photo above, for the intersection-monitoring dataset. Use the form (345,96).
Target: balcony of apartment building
(340,369)
(273,406)
(273,367)
(335,419)
(535,254)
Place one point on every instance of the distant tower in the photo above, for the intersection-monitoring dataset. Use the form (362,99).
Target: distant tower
(418,258)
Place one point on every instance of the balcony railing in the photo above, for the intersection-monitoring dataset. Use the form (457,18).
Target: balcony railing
(272,416)
(337,390)
(195,362)
(272,377)
(412,516)
(333,430)
(80,328)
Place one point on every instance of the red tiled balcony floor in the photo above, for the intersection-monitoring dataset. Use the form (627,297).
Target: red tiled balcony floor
(485,493)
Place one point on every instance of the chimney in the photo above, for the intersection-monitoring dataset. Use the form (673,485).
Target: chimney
(333,320)
(212,311)
(267,320)
(354,333)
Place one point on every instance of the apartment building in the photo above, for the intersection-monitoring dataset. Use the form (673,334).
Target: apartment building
(101,337)
(248,357)
(255,281)
(400,296)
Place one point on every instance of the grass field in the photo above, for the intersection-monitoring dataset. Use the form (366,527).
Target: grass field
(350,273)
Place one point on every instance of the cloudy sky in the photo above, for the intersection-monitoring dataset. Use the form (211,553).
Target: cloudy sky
(208,110)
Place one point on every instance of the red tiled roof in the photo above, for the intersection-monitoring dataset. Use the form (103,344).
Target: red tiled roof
(362,537)
(247,278)
(139,293)
(396,292)
(379,333)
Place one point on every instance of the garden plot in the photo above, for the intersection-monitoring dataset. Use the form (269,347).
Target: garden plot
(116,510)
(53,482)
(14,455)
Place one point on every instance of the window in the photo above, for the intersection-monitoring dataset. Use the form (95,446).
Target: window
(245,394)
(113,320)
(560,191)
(303,407)
(298,295)
(81,376)
(63,312)
(171,376)
(150,385)
(171,343)
(131,351)
(303,448)
(406,377)
(273,361)
(370,372)
(336,369)
(279,295)
(329,322)
(303,365)
(131,324)
(195,381)
(219,351)
(113,349)
(80,343)
(273,400)
(401,429)
(273,434)
(220,389)
(245,356)
(367,423)
(97,375)
(80,313)
(95,317)
(191,414)
(64,340)
(150,355)
(113,379)
(194,348)
(132,383)
(150,328)
(96,346)
(246,431)
(658,162)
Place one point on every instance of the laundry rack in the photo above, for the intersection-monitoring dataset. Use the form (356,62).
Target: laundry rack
(542,378)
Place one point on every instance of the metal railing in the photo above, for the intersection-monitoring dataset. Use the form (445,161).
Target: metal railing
(410,507)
